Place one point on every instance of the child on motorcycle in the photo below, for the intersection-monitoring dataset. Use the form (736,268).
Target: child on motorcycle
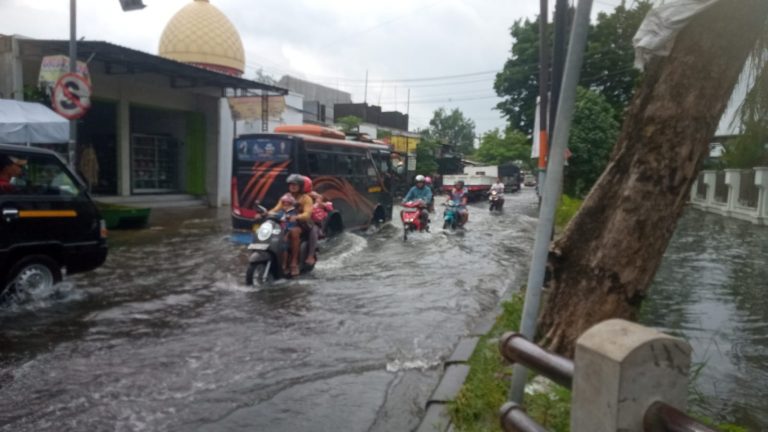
(320,209)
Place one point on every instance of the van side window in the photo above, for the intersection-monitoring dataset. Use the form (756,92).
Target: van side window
(42,175)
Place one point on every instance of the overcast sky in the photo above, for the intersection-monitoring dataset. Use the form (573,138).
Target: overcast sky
(332,42)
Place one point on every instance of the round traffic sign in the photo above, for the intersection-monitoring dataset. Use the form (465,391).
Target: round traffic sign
(71,96)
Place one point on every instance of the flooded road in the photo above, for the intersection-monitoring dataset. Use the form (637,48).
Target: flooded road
(165,336)
(712,290)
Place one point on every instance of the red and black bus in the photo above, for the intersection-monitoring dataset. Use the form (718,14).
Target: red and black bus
(357,176)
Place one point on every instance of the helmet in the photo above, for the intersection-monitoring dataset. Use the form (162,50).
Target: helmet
(428,180)
(419,178)
(307,185)
(296,179)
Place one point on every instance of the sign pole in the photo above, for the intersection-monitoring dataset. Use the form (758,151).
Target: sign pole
(72,145)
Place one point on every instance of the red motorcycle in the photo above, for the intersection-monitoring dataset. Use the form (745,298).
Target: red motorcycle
(414,217)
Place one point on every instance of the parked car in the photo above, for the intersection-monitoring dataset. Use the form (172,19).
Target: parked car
(48,222)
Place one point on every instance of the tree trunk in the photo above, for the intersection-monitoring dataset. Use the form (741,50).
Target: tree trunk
(603,264)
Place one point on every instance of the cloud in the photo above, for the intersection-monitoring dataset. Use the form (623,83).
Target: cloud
(333,42)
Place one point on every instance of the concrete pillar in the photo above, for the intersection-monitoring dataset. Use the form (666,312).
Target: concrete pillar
(123,146)
(224,170)
(761,181)
(621,368)
(733,181)
(692,193)
(710,178)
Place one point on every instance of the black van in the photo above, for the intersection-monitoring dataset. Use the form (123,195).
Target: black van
(47,221)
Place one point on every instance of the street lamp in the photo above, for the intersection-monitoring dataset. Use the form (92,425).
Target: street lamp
(127,5)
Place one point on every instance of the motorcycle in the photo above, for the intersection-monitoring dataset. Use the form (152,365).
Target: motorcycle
(496,201)
(451,216)
(265,262)
(411,217)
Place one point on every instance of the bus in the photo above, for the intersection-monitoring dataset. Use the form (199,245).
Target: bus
(356,176)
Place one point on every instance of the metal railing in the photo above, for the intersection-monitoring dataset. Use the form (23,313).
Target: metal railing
(659,417)
(701,188)
(721,189)
(748,192)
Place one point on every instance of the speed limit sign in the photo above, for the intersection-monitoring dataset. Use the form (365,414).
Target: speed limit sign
(71,96)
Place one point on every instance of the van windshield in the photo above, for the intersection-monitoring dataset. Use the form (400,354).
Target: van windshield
(37,175)
(262,149)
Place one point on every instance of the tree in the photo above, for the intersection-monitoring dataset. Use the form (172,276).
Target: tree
(497,148)
(349,123)
(608,67)
(592,137)
(749,149)
(452,129)
(264,77)
(602,265)
(425,156)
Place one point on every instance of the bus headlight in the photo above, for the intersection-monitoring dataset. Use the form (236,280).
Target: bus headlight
(265,231)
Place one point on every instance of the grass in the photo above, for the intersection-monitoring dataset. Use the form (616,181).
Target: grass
(566,210)
(476,408)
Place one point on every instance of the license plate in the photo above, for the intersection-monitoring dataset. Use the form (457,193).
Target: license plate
(258,246)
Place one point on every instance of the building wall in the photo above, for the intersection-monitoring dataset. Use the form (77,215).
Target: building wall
(320,94)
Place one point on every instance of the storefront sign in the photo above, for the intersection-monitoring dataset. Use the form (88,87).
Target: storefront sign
(249,107)
(71,96)
(53,67)
(404,144)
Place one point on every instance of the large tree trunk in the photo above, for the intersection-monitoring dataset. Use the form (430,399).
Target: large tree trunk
(603,264)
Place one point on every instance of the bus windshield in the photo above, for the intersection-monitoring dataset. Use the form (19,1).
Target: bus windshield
(262,149)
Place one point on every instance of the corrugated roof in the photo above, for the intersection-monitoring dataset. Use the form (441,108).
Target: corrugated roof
(123,60)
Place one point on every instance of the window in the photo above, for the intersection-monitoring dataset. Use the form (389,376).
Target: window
(343,165)
(320,163)
(262,150)
(36,175)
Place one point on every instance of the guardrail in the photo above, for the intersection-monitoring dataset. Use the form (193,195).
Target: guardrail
(624,377)
(741,194)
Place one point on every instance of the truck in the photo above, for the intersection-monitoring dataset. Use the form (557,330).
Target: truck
(478,179)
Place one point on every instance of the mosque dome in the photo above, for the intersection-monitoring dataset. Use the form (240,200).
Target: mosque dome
(202,35)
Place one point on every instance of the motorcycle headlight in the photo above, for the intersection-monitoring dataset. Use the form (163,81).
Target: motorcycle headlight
(265,231)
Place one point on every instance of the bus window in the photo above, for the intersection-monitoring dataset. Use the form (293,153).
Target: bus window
(343,165)
(320,163)
(262,150)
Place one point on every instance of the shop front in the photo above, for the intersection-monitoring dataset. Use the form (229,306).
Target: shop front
(155,126)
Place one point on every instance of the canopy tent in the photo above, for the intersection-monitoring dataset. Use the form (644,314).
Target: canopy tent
(29,122)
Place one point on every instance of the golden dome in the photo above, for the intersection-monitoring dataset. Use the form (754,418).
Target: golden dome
(200,34)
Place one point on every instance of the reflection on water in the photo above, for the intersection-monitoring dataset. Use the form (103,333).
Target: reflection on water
(712,290)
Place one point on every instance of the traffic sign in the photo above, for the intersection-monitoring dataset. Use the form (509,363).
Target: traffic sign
(71,96)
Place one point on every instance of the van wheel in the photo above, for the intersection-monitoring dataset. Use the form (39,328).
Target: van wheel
(32,273)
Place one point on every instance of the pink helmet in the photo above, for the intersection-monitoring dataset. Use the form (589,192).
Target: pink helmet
(428,180)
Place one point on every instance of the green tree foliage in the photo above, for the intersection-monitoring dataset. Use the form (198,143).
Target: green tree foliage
(452,129)
(349,123)
(607,68)
(592,137)
(749,149)
(426,163)
(498,147)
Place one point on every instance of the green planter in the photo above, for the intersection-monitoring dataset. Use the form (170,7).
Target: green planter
(123,217)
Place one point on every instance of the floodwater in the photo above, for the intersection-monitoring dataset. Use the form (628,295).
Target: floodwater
(165,336)
(712,290)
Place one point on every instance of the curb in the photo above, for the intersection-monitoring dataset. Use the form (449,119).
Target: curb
(456,368)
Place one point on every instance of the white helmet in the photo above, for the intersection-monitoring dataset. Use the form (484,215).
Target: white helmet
(419,178)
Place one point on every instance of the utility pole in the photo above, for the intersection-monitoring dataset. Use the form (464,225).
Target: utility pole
(72,145)
(552,188)
(558,58)
(365,95)
(543,92)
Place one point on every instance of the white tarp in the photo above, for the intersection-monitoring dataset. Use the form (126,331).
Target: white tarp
(28,122)
(657,32)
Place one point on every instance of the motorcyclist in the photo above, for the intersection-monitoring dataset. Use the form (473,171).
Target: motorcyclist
(296,184)
(459,194)
(428,183)
(499,188)
(420,191)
